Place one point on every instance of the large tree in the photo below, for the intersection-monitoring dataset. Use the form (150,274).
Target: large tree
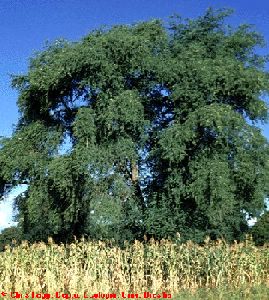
(159,127)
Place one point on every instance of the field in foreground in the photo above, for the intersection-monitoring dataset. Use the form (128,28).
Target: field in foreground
(187,271)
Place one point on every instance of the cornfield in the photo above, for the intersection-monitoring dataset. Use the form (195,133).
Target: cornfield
(155,266)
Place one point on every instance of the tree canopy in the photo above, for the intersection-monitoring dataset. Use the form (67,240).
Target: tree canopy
(159,126)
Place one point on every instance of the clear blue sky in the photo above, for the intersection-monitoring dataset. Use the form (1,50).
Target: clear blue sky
(25,26)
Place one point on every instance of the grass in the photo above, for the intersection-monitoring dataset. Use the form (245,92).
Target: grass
(244,292)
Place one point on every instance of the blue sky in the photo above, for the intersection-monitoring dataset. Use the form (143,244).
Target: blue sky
(25,26)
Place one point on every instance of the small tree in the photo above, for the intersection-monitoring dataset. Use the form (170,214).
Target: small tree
(260,231)
(10,236)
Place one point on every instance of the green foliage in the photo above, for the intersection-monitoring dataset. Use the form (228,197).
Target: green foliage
(162,131)
(260,231)
(10,236)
